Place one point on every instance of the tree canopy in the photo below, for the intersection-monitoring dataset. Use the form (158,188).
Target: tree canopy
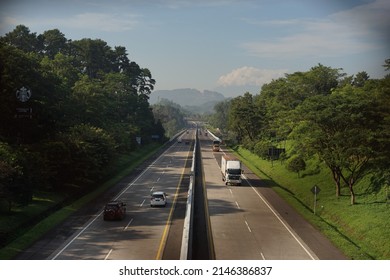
(84,102)
(343,120)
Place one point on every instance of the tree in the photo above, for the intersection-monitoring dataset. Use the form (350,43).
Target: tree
(280,97)
(54,42)
(170,115)
(387,64)
(20,69)
(244,119)
(94,55)
(88,102)
(9,171)
(341,129)
(142,80)
(360,79)
(62,66)
(122,62)
(22,38)
(92,149)
(296,164)
(221,115)
(322,79)
(15,184)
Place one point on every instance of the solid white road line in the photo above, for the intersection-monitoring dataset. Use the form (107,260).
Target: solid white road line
(117,197)
(109,253)
(280,219)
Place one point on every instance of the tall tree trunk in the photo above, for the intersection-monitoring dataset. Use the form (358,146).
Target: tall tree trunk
(336,178)
(350,185)
(350,182)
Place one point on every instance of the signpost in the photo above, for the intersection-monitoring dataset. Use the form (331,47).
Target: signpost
(23,111)
(315,190)
(23,95)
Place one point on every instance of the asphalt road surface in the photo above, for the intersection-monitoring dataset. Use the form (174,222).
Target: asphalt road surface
(144,233)
(244,222)
(252,222)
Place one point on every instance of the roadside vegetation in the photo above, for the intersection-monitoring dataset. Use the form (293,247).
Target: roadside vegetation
(72,114)
(47,210)
(321,128)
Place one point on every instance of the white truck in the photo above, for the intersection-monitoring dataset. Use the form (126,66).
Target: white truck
(231,170)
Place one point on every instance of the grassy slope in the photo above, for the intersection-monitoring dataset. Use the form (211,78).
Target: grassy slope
(361,231)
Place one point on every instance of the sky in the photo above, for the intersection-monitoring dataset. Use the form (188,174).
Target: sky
(229,46)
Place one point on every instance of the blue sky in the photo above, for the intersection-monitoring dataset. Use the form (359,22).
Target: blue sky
(230,46)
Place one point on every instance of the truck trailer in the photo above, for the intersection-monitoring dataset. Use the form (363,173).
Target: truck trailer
(231,170)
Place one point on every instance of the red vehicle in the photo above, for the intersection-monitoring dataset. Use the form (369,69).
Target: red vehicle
(114,210)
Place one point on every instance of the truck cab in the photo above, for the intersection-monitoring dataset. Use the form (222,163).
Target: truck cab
(231,170)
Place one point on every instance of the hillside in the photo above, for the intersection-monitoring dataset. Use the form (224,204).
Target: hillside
(191,99)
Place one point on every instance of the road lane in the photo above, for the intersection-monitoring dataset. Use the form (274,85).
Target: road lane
(244,225)
(142,234)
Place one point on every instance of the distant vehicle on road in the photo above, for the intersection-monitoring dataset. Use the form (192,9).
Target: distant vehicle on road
(231,170)
(216,147)
(114,210)
(158,199)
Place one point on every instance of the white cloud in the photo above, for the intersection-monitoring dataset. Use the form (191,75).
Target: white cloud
(249,76)
(369,19)
(352,31)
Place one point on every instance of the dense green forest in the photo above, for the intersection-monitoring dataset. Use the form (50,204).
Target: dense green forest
(320,128)
(171,115)
(67,109)
(339,120)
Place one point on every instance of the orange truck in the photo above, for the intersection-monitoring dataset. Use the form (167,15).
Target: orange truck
(216,147)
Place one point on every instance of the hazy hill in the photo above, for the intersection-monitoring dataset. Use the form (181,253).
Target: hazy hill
(191,99)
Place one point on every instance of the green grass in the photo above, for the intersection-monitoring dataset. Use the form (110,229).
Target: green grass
(41,203)
(25,237)
(361,231)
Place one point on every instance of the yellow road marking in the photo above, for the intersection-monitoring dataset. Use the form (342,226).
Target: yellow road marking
(164,237)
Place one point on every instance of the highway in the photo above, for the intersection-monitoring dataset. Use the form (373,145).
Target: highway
(143,234)
(246,221)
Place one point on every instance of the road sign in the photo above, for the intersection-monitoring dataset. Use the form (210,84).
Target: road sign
(23,94)
(315,189)
(23,113)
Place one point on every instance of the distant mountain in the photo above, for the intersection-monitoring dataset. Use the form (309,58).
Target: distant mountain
(192,100)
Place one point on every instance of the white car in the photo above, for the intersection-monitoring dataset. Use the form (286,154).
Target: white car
(158,199)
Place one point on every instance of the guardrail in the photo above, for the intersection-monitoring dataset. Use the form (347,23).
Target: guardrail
(186,244)
(176,135)
(215,137)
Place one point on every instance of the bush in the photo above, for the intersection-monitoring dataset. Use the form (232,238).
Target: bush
(261,149)
(91,149)
(296,164)
(14,187)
